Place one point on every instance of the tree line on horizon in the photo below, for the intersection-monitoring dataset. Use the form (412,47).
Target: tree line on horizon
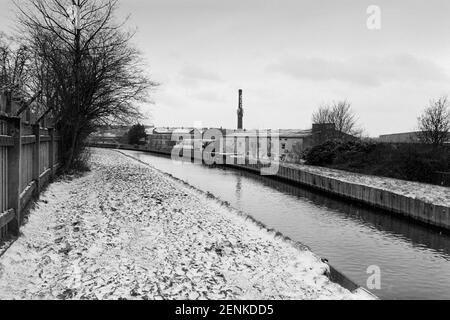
(433,125)
(427,161)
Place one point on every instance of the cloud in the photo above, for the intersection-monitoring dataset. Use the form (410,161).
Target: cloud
(191,73)
(210,96)
(366,71)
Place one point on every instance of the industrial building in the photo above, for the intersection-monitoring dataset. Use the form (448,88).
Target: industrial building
(406,137)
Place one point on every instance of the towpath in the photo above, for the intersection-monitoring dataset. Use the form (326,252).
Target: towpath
(127,231)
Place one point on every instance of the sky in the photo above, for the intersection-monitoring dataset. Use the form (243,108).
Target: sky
(289,57)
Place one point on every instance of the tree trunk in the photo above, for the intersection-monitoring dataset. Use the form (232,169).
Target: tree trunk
(69,160)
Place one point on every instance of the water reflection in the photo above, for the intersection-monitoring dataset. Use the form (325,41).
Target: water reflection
(418,234)
(238,188)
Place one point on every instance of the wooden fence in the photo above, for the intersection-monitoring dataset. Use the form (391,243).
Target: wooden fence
(29,158)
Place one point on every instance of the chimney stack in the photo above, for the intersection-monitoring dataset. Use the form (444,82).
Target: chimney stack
(240,112)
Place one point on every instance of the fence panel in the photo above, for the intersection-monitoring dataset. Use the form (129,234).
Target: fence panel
(44,156)
(3,178)
(32,159)
(22,161)
(27,164)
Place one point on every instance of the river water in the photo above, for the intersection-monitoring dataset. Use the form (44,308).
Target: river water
(414,260)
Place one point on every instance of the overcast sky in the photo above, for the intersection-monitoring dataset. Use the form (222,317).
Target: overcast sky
(289,57)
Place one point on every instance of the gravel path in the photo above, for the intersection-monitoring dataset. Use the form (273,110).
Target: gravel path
(127,231)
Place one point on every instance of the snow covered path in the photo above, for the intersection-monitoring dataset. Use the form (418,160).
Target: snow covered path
(127,231)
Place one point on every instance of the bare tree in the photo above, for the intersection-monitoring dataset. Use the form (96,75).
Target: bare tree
(14,62)
(434,123)
(89,72)
(341,115)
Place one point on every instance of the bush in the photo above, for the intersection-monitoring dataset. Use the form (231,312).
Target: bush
(414,162)
(81,163)
(136,133)
(322,155)
(420,163)
(338,151)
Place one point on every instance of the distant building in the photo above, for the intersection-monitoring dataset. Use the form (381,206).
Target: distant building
(292,142)
(161,138)
(406,137)
(290,146)
(113,134)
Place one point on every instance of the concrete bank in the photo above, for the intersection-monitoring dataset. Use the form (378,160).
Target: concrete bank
(417,209)
(426,212)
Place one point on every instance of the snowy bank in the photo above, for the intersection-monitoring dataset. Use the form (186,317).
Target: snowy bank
(426,192)
(127,231)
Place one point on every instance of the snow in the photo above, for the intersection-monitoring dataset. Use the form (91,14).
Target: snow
(128,231)
(426,192)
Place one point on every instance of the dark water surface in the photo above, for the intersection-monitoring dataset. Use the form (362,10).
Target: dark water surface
(414,261)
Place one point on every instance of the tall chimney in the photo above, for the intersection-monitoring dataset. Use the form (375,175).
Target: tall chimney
(240,112)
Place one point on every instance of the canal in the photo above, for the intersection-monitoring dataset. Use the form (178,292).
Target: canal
(414,260)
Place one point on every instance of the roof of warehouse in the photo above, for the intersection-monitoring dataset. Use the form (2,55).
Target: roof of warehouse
(283,133)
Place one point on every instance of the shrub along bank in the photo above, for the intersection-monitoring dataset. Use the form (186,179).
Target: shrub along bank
(413,162)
